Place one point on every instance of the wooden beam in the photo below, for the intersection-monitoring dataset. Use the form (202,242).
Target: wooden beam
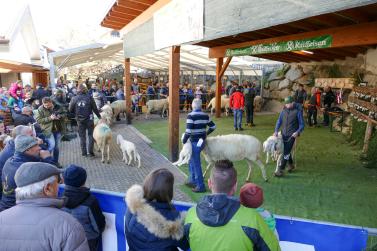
(112,25)
(146,2)
(145,16)
(174,54)
(115,23)
(219,66)
(123,14)
(117,19)
(125,10)
(127,89)
(352,35)
(225,66)
(133,5)
(368,135)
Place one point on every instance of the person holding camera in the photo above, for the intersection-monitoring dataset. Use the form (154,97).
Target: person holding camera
(51,119)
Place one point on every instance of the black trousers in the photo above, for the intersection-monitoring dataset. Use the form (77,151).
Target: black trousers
(249,114)
(312,116)
(287,156)
(326,117)
(84,126)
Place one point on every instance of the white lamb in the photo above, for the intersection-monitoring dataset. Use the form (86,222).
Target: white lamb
(224,104)
(274,148)
(185,154)
(102,136)
(128,150)
(157,105)
(233,147)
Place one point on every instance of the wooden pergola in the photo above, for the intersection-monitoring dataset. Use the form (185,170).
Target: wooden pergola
(350,26)
(40,74)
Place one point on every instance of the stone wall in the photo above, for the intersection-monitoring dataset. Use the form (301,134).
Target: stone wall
(283,82)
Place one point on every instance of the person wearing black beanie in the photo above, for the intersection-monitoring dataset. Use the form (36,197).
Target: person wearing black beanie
(82,205)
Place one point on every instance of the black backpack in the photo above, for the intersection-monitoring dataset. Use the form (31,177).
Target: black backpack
(83,108)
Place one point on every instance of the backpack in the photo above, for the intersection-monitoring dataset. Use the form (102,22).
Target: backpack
(83,108)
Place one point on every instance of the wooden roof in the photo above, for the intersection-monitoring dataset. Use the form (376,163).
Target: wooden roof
(124,11)
(13,66)
(359,15)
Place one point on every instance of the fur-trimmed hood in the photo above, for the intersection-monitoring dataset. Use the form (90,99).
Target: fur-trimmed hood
(150,218)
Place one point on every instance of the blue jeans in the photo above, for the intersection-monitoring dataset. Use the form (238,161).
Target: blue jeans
(195,167)
(237,118)
(53,145)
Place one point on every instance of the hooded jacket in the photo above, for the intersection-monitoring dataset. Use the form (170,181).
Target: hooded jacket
(220,222)
(237,100)
(152,225)
(84,207)
(39,224)
(9,170)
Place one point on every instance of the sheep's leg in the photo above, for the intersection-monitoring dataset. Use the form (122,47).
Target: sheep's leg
(103,154)
(278,162)
(138,159)
(250,165)
(108,153)
(125,157)
(130,159)
(262,168)
(207,169)
(267,158)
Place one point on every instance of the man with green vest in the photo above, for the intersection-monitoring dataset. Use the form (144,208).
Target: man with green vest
(220,222)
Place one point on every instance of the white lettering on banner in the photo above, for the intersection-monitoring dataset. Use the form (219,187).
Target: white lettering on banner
(109,236)
(294,246)
(178,22)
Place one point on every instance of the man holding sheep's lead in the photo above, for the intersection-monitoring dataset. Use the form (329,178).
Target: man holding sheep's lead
(291,123)
(196,131)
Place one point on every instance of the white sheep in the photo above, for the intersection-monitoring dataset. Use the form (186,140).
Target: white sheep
(224,104)
(232,147)
(118,107)
(158,105)
(102,136)
(106,113)
(128,150)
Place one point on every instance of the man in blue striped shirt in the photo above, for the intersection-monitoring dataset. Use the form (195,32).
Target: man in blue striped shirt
(196,131)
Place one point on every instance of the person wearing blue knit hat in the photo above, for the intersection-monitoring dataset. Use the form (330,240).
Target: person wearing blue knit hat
(82,205)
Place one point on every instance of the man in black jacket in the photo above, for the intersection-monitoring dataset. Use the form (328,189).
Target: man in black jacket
(328,99)
(83,106)
(249,93)
(291,124)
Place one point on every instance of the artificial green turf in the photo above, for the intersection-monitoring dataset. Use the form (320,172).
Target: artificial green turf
(329,184)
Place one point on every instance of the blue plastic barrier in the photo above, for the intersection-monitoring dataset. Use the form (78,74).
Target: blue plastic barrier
(295,234)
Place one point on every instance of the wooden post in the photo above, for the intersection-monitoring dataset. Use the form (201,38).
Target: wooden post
(368,134)
(219,65)
(174,57)
(127,89)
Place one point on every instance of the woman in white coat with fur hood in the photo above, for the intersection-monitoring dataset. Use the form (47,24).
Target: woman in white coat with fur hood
(152,222)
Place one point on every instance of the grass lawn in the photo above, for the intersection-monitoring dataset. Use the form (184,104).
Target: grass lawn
(329,184)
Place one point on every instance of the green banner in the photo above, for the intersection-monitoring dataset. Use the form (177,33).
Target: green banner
(291,45)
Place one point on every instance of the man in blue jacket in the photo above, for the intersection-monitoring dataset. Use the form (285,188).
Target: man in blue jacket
(291,123)
(26,150)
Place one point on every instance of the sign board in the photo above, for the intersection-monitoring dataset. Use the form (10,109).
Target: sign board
(178,22)
(291,45)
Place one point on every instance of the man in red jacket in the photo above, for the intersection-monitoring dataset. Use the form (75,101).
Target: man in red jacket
(237,102)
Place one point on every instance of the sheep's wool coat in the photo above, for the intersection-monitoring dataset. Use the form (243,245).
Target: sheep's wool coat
(232,147)
(152,220)
(157,105)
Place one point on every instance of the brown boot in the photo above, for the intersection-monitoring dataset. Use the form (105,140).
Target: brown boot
(278,173)
(291,167)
